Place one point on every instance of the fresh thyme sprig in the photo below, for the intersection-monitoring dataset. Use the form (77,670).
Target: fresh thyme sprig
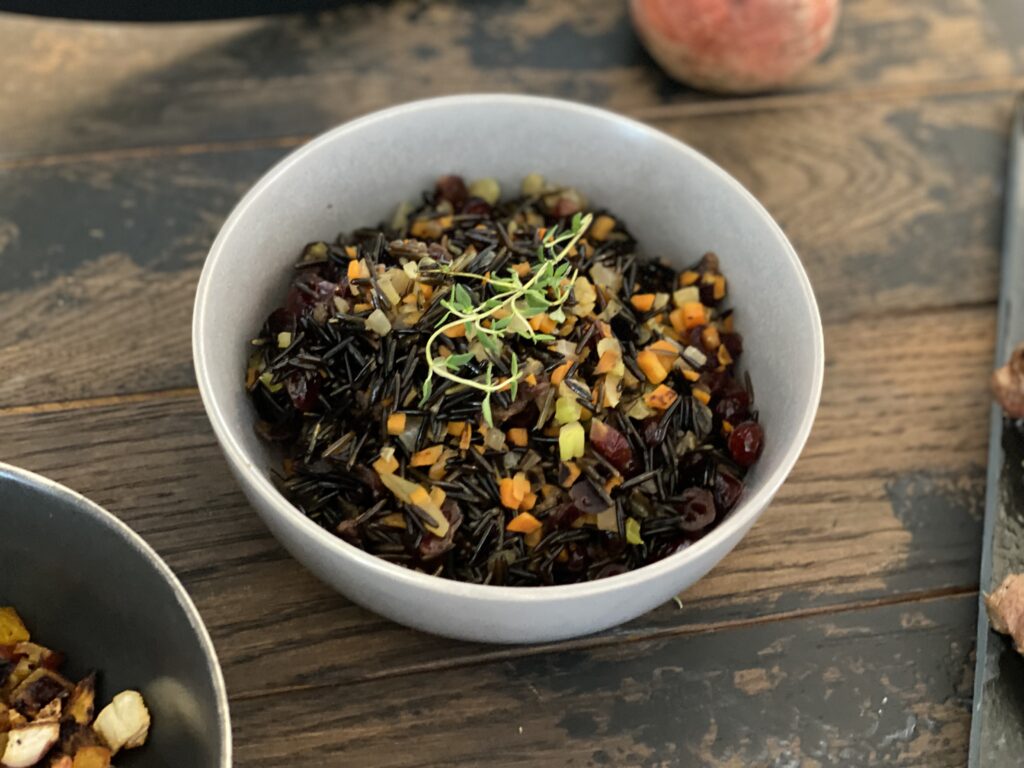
(508,310)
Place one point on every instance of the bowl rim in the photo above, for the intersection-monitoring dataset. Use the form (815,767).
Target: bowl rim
(743,516)
(119,528)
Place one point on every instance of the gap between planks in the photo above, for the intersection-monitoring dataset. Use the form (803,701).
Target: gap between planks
(602,641)
(657,113)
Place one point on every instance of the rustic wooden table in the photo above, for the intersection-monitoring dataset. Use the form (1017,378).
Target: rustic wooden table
(840,632)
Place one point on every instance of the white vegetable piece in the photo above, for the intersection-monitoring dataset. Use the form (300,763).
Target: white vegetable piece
(27,745)
(124,722)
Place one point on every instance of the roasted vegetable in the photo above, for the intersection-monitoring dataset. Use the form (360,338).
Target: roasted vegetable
(45,719)
(124,722)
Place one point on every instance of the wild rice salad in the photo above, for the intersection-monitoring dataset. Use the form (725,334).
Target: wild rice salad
(505,391)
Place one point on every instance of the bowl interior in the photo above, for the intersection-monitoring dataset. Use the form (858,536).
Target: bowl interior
(85,587)
(676,202)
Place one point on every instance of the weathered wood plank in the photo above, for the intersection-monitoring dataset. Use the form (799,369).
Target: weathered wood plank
(885,502)
(893,206)
(71,86)
(888,685)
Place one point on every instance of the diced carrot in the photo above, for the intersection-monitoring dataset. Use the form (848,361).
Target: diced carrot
(519,437)
(558,374)
(719,290)
(531,380)
(437,495)
(724,358)
(386,466)
(466,439)
(394,520)
(726,426)
(446,222)
(665,350)
(572,473)
(522,269)
(690,375)
(524,522)
(357,269)
(542,323)
(694,314)
(455,428)
(426,290)
(350,251)
(660,398)
(727,323)
(507,493)
(529,501)
(709,338)
(533,538)
(608,360)
(420,497)
(703,395)
(456,331)
(612,483)
(601,228)
(409,298)
(650,364)
(396,423)
(642,302)
(541,231)
(426,457)
(689,277)
(678,319)
(522,485)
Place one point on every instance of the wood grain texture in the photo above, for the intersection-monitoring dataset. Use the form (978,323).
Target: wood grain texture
(886,686)
(74,87)
(894,208)
(884,504)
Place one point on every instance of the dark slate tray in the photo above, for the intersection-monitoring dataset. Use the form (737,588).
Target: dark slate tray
(997,729)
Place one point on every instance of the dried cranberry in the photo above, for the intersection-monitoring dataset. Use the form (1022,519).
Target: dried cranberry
(650,430)
(564,515)
(451,188)
(728,489)
(280,321)
(746,442)
(612,569)
(303,390)
(307,292)
(477,206)
(733,342)
(611,444)
(733,404)
(696,509)
(694,469)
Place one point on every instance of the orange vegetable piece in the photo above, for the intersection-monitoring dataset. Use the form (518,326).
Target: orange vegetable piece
(522,269)
(426,457)
(522,485)
(558,374)
(466,439)
(531,380)
(718,292)
(426,290)
(642,302)
(678,319)
(726,426)
(689,277)
(727,324)
(710,339)
(666,350)
(519,437)
(601,228)
(724,358)
(357,269)
(693,314)
(396,423)
(529,501)
(394,520)
(507,492)
(437,495)
(612,483)
(524,522)
(650,364)
(690,375)
(608,360)
(702,395)
(386,466)
(661,397)
(455,428)
(572,475)
(456,331)
(542,323)
(350,251)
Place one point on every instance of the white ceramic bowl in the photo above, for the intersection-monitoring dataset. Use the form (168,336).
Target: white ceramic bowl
(676,202)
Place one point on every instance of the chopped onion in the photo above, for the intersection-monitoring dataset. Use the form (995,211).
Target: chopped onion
(608,520)
(378,323)
(606,277)
(688,295)
(567,409)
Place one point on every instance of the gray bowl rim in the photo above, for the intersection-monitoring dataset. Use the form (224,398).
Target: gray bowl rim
(749,508)
(116,527)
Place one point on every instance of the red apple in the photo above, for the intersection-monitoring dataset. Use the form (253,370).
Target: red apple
(735,46)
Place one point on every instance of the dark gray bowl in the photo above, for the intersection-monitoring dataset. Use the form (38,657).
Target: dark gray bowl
(87,585)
